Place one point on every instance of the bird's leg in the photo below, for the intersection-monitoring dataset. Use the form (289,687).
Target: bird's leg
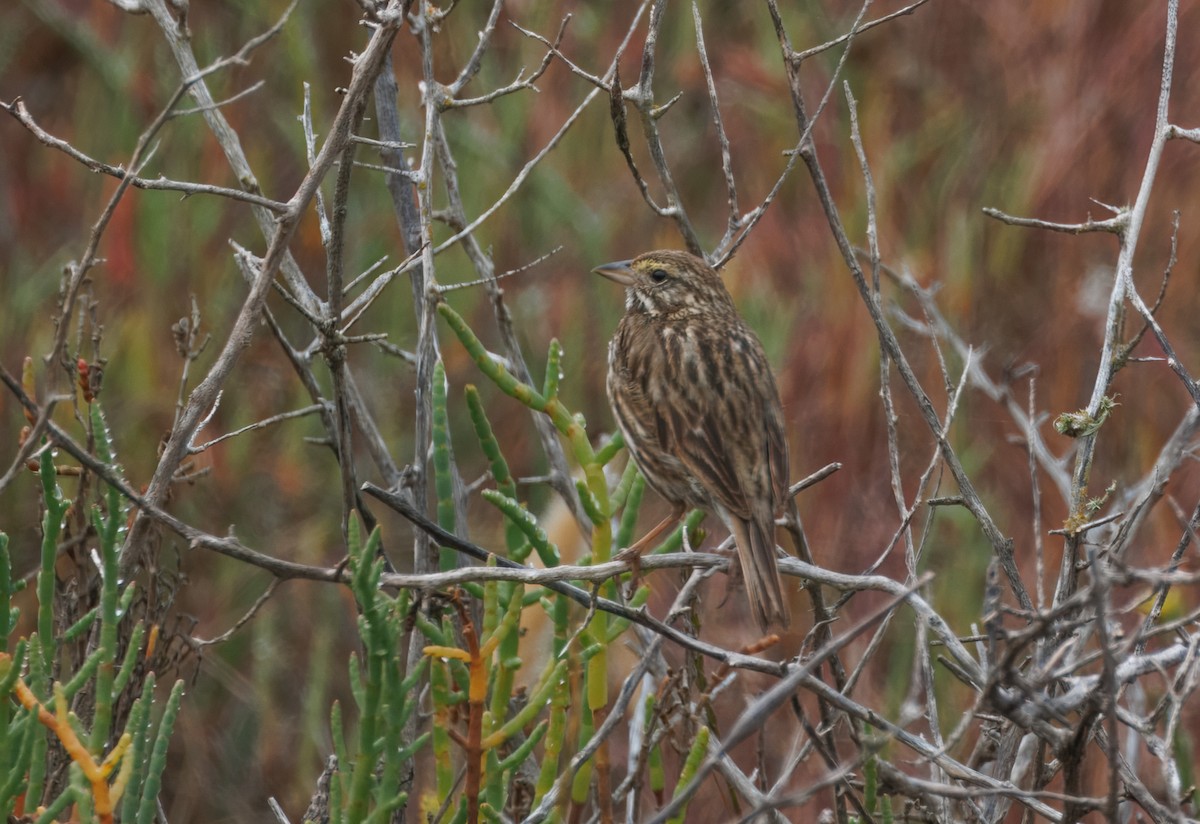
(632,555)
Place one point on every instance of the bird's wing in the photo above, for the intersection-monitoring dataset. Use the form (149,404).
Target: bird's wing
(732,441)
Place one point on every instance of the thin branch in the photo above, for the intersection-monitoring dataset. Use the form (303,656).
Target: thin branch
(510,273)
(32,445)
(1180,133)
(1122,289)
(1113,225)
(1001,545)
(262,424)
(521,83)
(246,92)
(642,97)
(803,145)
(734,219)
(519,179)
(858,29)
(758,713)
(17,109)
(243,328)
(1026,421)
(245,619)
(179,41)
(401,505)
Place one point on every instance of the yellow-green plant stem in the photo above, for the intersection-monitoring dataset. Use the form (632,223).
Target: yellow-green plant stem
(443,478)
(690,766)
(593,492)
(138,728)
(654,762)
(583,778)
(148,808)
(560,701)
(628,494)
(52,522)
(525,521)
(490,446)
(107,526)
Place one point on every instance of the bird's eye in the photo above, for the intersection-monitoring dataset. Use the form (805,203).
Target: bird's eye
(658,275)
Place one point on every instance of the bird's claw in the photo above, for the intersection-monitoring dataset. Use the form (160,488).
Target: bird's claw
(632,556)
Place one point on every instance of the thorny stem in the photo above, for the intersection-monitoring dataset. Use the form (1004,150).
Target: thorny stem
(1001,545)
(202,397)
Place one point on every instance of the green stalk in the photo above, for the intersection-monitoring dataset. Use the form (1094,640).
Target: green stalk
(550,679)
(131,657)
(493,777)
(499,466)
(508,659)
(8,616)
(553,369)
(52,521)
(38,678)
(107,527)
(574,429)
(338,781)
(633,504)
(610,450)
(518,756)
(620,494)
(590,505)
(367,754)
(695,756)
(84,674)
(559,702)
(138,727)
(158,757)
(674,541)
(619,625)
(439,687)
(443,479)
(503,379)
(395,712)
(384,811)
(527,523)
(8,620)
(26,728)
(870,784)
(367,567)
(597,667)
(583,778)
(654,763)
(58,805)
(82,626)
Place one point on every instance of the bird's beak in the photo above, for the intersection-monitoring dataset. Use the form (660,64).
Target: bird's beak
(619,271)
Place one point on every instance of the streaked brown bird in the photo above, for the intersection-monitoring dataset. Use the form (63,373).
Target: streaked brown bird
(694,396)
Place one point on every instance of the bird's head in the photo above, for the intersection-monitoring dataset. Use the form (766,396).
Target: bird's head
(669,284)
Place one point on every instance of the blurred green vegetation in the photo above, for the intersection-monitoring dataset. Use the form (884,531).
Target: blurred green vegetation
(1029,107)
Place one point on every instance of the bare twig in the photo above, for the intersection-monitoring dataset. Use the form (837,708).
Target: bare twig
(253,427)
(1113,225)
(245,619)
(240,335)
(734,219)
(1001,545)
(858,29)
(17,109)
(750,220)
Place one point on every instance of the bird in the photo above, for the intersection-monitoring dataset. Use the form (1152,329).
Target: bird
(695,399)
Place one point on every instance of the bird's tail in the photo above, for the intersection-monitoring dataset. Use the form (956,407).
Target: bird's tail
(764,588)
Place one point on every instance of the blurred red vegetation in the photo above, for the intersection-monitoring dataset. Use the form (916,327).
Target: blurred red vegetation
(1031,108)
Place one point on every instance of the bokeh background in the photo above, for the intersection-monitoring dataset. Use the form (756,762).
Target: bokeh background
(1039,109)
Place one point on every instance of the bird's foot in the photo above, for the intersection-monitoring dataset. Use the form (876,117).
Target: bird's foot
(633,557)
